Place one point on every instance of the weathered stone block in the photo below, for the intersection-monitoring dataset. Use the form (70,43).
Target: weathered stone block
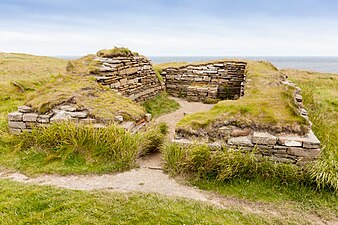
(303,152)
(69,108)
(263,138)
(25,109)
(311,141)
(16,125)
(290,141)
(60,116)
(43,119)
(30,117)
(78,114)
(240,141)
(15,116)
(240,132)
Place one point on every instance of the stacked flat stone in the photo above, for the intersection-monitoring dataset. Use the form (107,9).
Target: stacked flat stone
(221,80)
(132,76)
(282,148)
(25,118)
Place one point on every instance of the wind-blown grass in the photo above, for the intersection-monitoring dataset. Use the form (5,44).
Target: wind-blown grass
(320,97)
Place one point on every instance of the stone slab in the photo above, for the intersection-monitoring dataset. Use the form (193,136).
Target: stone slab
(290,141)
(263,138)
(43,119)
(311,141)
(240,141)
(16,125)
(15,116)
(302,152)
(25,109)
(69,108)
(77,114)
(30,117)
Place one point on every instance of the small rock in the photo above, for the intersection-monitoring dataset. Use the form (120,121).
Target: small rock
(119,118)
(147,117)
(311,141)
(25,109)
(292,141)
(298,98)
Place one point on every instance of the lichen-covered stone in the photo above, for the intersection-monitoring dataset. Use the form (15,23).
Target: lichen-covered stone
(43,119)
(82,114)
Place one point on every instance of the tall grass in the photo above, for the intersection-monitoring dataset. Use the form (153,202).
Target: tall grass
(201,162)
(83,148)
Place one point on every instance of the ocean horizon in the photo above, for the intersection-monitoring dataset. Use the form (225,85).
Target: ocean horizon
(324,64)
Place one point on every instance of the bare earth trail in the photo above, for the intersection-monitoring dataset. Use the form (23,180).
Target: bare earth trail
(150,178)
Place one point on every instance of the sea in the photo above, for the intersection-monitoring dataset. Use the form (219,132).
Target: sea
(309,63)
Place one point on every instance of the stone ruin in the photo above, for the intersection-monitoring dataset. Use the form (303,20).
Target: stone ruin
(219,80)
(132,76)
(280,147)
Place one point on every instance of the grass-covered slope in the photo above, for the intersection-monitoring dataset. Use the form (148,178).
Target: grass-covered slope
(76,85)
(266,105)
(84,91)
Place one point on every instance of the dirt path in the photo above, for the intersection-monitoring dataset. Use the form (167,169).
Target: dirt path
(186,107)
(150,178)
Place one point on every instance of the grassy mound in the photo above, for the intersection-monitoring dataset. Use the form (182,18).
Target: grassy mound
(116,52)
(266,105)
(84,91)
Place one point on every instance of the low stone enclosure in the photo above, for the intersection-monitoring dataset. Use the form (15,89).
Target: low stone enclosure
(285,148)
(218,80)
(132,76)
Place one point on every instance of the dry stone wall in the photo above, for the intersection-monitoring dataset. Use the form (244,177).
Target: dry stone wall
(221,80)
(132,76)
(25,119)
(288,148)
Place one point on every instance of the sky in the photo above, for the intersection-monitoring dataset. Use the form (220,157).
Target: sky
(171,27)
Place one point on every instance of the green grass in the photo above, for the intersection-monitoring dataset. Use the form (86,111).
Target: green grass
(320,97)
(266,105)
(160,105)
(29,204)
(99,100)
(282,195)
(69,148)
